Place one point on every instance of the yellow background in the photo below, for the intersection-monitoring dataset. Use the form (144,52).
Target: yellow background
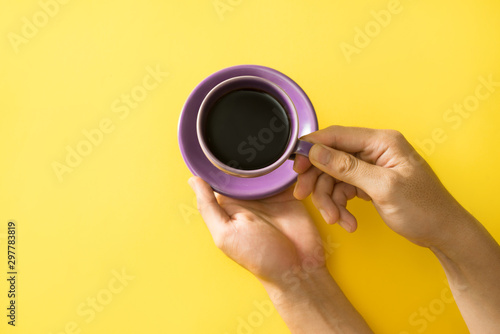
(127,205)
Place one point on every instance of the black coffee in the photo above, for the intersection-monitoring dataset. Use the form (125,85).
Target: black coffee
(247,129)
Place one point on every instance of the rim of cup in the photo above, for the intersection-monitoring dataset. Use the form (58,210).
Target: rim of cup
(238,83)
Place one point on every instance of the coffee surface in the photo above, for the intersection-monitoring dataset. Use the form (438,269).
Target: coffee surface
(247,129)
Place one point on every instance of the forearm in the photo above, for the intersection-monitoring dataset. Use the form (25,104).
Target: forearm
(471,260)
(314,303)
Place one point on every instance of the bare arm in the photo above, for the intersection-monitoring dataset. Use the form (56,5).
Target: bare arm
(315,304)
(277,241)
(381,166)
(471,260)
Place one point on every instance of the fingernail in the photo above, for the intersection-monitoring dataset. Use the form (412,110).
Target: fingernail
(320,153)
(349,228)
(325,215)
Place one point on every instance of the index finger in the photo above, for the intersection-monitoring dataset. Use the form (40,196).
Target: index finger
(347,139)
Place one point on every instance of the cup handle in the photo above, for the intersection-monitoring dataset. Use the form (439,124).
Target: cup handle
(302,148)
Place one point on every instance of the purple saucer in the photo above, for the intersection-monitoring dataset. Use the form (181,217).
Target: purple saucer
(229,185)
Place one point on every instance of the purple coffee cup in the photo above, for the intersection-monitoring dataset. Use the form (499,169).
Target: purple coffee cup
(294,145)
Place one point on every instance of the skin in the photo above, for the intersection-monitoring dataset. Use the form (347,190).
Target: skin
(275,238)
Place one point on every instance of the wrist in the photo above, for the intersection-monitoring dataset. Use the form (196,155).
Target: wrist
(312,302)
(299,286)
(459,230)
(468,250)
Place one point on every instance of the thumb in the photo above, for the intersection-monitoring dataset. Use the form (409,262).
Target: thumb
(213,214)
(345,167)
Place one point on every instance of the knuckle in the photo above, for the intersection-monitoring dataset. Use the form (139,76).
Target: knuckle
(322,179)
(200,206)
(347,164)
(391,133)
(397,140)
(395,136)
(332,127)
